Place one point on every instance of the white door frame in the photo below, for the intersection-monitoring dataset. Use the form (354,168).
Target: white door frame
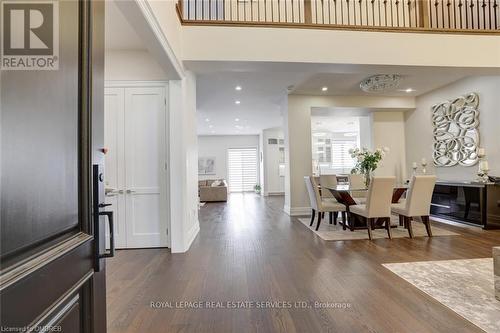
(161,84)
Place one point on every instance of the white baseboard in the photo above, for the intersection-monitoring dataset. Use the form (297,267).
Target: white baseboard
(191,235)
(267,194)
(297,211)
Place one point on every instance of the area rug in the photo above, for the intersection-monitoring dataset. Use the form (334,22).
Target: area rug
(464,286)
(330,232)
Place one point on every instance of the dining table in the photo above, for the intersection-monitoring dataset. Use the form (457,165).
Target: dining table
(343,194)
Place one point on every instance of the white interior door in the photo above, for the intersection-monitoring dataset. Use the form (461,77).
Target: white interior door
(114,140)
(145,176)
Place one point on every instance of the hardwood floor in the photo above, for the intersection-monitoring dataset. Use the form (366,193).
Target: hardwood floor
(249,250)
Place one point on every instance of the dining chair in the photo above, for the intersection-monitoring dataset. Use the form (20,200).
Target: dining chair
(327,181)
(357,181)
(320,206)
(417,203)
(378,205)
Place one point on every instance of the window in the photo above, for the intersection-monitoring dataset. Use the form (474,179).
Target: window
(242,169)
(341,159)
(331,152)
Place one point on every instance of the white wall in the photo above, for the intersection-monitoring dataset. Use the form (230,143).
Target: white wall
(271,180)
(216,43)
(366,132)
(297,130)
(389,131)
(217,146)
(183,163)
(418,126)
(134,65)
(167,19)
(156,23)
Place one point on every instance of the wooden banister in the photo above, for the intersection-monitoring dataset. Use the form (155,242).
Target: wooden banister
(440,16)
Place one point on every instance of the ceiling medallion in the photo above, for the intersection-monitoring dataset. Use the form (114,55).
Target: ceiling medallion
(380,82)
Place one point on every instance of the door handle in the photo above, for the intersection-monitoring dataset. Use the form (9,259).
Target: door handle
(130,191)
(111,252)
(111,192)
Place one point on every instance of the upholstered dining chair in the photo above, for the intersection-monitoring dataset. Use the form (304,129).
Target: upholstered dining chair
(327,181)
(357,181)
(417,203)
(378,204)
(320,205)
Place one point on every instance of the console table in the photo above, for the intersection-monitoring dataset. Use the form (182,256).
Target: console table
(467,202)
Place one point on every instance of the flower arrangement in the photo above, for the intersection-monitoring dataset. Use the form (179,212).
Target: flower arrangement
(367,161)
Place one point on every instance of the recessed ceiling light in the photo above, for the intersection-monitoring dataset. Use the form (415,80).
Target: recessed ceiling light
(238,88)
(324,89)
(237,102)
(207,120)
(409,90)
(237,119)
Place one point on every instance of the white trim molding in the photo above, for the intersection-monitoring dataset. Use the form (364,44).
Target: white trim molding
(134,83)
(266,194)
(149,29)
(191,235)
(150,17)
(297,211)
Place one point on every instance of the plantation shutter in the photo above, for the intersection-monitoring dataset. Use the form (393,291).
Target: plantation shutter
(341,159)
(242,169)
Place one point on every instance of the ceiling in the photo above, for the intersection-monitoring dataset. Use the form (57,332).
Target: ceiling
(259,97)
(264,87)
(347,84)
(119,34)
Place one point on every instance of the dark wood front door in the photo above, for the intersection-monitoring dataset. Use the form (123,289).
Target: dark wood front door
(51,274)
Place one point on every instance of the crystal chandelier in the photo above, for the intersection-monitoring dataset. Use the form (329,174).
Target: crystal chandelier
(380,82)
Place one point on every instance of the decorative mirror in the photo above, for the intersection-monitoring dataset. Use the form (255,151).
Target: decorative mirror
(456,131)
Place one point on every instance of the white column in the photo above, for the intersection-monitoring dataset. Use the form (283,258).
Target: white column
(183,163)
(298,156)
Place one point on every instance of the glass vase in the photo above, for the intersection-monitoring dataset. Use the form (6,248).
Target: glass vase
(368,176)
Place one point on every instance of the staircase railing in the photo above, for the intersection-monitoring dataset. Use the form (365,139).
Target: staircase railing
(462,16)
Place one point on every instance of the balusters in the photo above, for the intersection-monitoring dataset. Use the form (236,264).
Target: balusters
(484,14)
(360,12)
(396,3)
(373,11)
(495,11)
(430,14)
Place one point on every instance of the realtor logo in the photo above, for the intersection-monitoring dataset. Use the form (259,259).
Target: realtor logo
(30,35)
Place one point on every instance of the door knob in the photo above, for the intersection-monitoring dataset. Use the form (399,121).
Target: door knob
(130,191)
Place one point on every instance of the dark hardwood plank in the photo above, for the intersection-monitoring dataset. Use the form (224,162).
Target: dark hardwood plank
(249,250)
